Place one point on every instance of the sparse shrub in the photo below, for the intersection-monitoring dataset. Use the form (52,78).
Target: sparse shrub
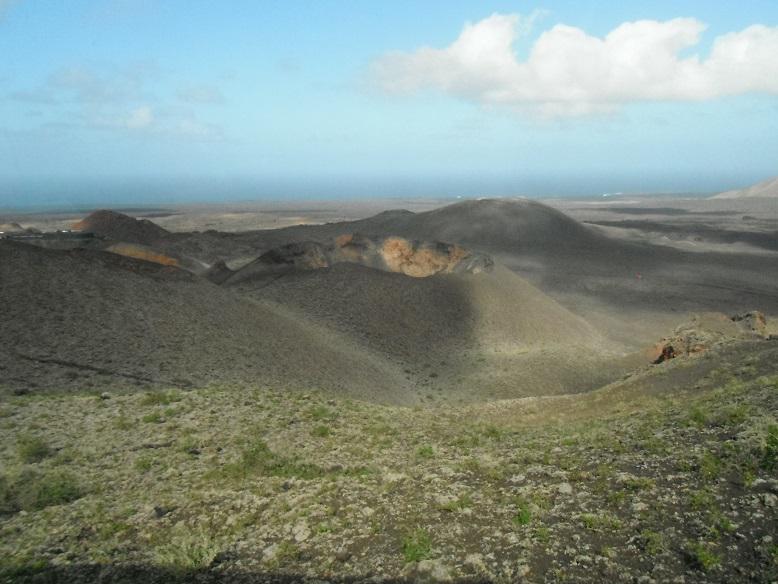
(187,550)
(770,451)
(523,514)
(492,432)
(616,497)
(321,413)
(144,463)
(701,500)
(32,449)
(703,556)
(598,522)
(734,415)
(259,459)
(773,553)
(6,496)
(467,440)
(285,553)
(416,546)
(153,418)
(721,524)
(160,398)
(425,451)
(710,466)
(122,422)
(320,431)
(32,491)
(638,483)
(457,504)
(698,417)
(543,534)
(652,542)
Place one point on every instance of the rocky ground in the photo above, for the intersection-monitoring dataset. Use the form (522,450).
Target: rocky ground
(670,475)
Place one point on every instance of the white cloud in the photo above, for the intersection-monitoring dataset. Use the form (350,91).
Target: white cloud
(124,99)
(569,72)
(139,118)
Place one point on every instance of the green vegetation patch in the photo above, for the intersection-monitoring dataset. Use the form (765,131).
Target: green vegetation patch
(258,459)
(32,490)
(416,546)
(32,449)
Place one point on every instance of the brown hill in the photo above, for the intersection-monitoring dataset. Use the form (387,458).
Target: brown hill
(120,227)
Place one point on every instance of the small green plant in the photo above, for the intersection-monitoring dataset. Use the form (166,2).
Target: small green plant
(523,514)
(703,556)
(144,463)
(616,498)
(599,522)
(187,551)
(153,418)
(416,546)
(160,398)
(721,524)
(698,417)
(710,466)
(701,500)
(320,431)
(425,451)
(457,504)
(32,449)
(653,542)
(772,552)
(492,432)
(770,451)
(122,422)
(32,491)
(543,534)
(638,483)
(321,413)
(285,553)
(257,458)
(735,415)
(7,503)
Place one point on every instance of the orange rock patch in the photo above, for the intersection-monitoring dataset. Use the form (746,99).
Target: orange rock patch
(142,253)
(400,255)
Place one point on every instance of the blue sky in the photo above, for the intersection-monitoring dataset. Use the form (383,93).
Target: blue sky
(161,100)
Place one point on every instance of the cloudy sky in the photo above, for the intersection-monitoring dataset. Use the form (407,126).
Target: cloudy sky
(154,100)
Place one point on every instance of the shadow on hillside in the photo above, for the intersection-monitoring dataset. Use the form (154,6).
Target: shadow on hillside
(146,574)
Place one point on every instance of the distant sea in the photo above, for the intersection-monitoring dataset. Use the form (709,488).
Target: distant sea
(77,195)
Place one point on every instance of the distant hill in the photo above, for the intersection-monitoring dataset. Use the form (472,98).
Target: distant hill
(490,225)
(120,227)
(764,189)
(11,228)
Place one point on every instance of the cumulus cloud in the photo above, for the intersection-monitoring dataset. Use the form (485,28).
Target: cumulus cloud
(569,72)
